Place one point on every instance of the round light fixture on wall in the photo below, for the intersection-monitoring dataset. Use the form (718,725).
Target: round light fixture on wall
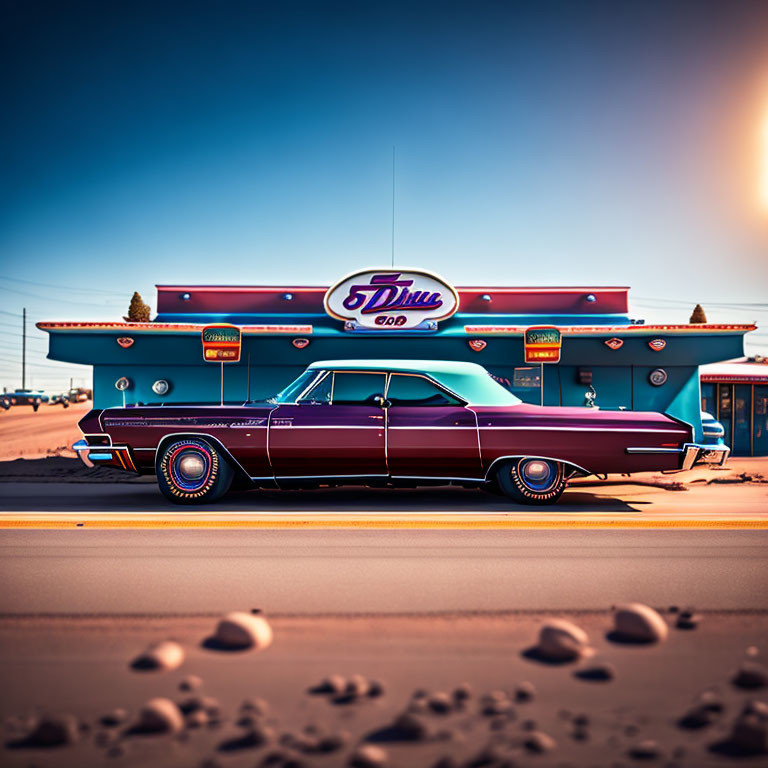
(122,384)
(657,377)
(161,387)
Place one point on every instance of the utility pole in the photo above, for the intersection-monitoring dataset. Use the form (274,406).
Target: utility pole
(24,348)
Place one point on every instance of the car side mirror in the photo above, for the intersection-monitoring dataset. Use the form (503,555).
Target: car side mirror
(382,402)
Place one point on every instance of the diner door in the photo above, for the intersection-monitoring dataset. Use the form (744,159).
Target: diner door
(335,430)
(430,434)
(742,420)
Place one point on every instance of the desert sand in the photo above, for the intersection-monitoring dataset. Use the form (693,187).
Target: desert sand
(49,432)
(472,694)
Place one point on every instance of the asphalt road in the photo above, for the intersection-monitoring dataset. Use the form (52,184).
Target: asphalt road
(622,500)
(377,571)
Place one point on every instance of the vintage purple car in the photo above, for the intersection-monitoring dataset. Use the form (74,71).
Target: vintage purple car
(386,422)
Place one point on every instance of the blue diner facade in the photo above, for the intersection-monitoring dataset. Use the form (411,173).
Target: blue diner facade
(607,358)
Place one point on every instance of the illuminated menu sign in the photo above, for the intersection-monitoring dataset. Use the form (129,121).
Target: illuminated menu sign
(543,344)
(221,343)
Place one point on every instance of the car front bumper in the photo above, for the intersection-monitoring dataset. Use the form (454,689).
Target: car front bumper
(696,453)
(691,454)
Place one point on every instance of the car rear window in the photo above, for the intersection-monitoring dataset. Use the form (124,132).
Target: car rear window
(357,388)
(416,391)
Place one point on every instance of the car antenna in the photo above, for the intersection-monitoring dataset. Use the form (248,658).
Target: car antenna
(393,206)
(24,348)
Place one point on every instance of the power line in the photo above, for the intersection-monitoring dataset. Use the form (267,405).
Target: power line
(51,298)
(39,365)
(62,287)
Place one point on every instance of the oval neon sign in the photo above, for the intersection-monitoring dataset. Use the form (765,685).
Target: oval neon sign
(391,299)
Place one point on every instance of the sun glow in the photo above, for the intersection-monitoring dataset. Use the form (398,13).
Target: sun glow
(764,162)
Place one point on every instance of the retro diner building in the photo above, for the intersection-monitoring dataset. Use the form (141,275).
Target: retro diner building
(628,364)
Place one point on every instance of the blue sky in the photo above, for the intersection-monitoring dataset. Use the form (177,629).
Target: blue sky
(239,142)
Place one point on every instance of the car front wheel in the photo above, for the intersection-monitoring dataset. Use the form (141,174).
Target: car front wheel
(532,480)
(192,471)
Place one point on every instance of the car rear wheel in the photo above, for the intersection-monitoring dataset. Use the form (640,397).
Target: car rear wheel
(532,480)
(192,471)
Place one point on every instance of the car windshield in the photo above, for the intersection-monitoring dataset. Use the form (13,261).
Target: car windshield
(291,393)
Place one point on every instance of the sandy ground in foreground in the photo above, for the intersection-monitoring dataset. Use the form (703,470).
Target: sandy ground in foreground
(80,665)
(49,432)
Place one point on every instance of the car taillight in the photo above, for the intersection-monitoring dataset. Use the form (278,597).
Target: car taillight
(98,439)
(671,445)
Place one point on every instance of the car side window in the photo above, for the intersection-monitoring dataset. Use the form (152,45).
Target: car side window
(320,394)
(357,388)
(416,391)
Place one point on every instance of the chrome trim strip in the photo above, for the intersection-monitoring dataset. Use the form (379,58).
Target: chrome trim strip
(474,429)
(432,477)
(328,426)
(323,477)
(587,429)
(81,445)
(653,450)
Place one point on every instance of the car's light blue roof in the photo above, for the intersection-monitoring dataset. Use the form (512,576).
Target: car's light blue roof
(470,381)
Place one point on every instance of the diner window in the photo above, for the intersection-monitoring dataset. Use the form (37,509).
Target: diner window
(708,399)
(760,447)
(357,388)
(416,391)
(725,410)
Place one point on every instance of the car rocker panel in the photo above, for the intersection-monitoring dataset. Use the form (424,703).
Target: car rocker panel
(386,422)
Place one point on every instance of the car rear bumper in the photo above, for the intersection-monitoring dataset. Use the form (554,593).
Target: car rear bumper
(691,454)
(118,456)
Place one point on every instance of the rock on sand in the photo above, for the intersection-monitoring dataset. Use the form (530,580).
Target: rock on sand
(638,623)
(561,640)
(751,675)
(159,716)
(239,631)
(368,756)
(749,732)
(160,656)
(54,731)
(539,742)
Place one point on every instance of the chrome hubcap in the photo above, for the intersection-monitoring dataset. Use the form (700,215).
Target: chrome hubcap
(536,471)
(191,467)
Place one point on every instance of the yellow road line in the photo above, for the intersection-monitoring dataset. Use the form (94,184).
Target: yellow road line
(391,522)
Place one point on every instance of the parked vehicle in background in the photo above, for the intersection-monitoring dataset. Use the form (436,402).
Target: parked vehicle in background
(390,423)
(33,397)
(80,395)
(60,399)
(714,432)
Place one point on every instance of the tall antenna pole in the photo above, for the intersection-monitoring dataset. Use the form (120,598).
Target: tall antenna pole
(24,348)
(393,205)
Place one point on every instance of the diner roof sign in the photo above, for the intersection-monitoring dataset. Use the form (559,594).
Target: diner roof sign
(391,300)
